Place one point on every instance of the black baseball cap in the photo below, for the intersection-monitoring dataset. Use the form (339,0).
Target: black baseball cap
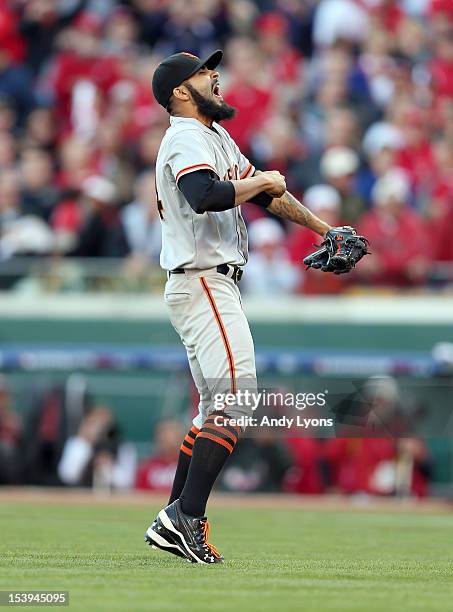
(175,69)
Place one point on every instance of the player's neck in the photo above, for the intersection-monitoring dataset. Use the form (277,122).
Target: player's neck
(207,121)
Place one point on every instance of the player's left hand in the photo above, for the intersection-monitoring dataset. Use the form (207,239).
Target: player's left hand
(277,183)
(341,250)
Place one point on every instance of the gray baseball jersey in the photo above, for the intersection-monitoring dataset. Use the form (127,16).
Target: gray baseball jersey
(191,240)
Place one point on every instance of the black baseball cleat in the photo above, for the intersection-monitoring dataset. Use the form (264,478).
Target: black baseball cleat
(159,537)
(191,534)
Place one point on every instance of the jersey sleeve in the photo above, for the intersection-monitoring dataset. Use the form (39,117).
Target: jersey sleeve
(189,152)
(246,168)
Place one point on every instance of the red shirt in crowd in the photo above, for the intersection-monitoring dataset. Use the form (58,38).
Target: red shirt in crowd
(253,105)
(440,230)
(442,75)
(396,243)
(348,465)
(156,474)
(10,40)
(69,68)
(358,465)
(389,14)
(417,161)
(306,474)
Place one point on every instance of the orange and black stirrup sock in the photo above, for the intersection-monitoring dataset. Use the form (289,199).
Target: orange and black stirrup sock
(213,446)
(185,455)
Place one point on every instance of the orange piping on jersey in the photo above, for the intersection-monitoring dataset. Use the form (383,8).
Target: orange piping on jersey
(223,333)
(190,168)
(247,171)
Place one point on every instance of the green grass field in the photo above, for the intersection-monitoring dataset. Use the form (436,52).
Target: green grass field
(276,560)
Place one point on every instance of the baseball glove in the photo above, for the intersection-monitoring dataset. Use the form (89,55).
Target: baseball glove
(340,251)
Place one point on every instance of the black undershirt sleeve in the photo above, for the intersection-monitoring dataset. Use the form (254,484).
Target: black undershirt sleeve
(205,192)
(262,199)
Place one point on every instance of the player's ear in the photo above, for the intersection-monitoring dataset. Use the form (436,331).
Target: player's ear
(181,93)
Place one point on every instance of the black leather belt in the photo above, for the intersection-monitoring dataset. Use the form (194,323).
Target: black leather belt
(233,272)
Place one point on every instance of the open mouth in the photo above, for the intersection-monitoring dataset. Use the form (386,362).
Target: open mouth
(216,91)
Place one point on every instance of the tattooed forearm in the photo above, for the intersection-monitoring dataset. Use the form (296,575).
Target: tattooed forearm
(290,208)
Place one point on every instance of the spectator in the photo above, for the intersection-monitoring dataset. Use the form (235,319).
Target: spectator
(120,32)
(330,24)
(141,220)
(10,437)
(276,147)
(269,270)
(389,460)
(95,456)
(41,130)
(416,156)
(110,157)
(381,143)
(10,202)
(15,78)
(21,233)
(158,471)
(7,115)
(41,22)
(147,149)
(442,64)
(259,464)
(399,255)
(378,65)
(7,151)
(442,222)
(26,235)
(76,163)
(339,167)
(189,25)
(45,432)
(378,466)
(328,85)
(282,58)
(325,202)
(342,128)
(307,475)
(39,194)
(80,74)
(249,91)
(101,233)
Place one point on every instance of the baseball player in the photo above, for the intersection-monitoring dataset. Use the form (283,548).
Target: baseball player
(202,178)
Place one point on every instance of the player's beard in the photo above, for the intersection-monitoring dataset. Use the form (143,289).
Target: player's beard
(210,109)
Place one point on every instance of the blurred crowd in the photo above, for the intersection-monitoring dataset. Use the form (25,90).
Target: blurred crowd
(352,100)
(61,437)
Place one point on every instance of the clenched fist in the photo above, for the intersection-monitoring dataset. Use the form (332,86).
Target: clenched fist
(276,183)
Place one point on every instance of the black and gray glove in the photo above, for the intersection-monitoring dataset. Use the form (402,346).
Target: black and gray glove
(340,251)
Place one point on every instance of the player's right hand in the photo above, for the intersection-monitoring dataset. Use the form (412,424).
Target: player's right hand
(276,183)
